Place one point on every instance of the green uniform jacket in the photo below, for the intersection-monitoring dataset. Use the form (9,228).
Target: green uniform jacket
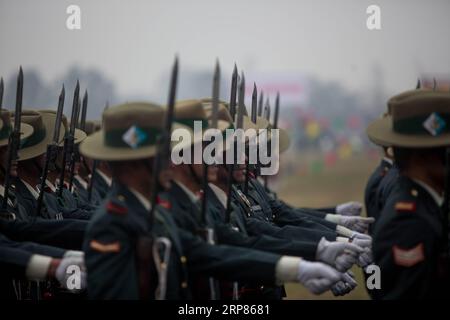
(110,248)
(257,223)
(407,243)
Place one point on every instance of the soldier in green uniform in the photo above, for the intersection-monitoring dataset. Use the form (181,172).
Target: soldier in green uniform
(186,197)
(128,143)
(409,239)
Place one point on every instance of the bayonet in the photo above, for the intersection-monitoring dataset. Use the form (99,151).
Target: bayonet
(418,86)
(84,111)
(267,110)
(254,103)
(260,104)
(277,111)
(241,105)
(234,81)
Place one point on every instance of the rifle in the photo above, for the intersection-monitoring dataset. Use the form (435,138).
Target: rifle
(76,155)
(239,124)
(147,246)
(230,167)
(69,140)
(267,117)
(207,232)
(253,119)
(13,143)
(52,151)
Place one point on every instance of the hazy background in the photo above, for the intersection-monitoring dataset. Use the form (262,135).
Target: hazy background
(334,75)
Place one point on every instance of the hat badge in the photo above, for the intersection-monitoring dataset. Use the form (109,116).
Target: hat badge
(434,124)
(134,136)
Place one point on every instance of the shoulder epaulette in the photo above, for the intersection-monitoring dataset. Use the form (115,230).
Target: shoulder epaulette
(116,208)
(163,203)
(405,206)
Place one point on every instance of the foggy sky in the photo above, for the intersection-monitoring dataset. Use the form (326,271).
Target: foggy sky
(133,42)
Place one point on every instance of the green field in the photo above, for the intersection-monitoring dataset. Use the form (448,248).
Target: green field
(344,181)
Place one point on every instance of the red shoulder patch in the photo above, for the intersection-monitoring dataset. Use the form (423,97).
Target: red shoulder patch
(163,203)
(114,208)
(405,206)
(251,175)
(408,257)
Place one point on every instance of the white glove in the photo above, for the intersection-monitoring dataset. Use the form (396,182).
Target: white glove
(317,277)
(359,224)
(345,286)
(74,253)
(351,208)
(65,276)
(358,235)
(341,255)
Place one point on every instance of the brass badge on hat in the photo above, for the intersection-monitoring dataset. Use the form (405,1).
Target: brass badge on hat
(434,124)
(134,137)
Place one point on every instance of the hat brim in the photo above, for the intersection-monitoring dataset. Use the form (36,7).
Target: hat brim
(380,132)
(94,147)
(261,123)
(41,148)
(25,131)
(79,136)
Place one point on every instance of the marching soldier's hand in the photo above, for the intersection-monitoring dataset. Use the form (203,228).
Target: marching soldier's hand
(365,258)
(71,273)
(351,208)
(346,285)
(317,277)
(359,224)
(340,255)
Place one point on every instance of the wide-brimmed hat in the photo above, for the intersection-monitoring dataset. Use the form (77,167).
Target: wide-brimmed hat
(189,112)
(130,132)
(79,135)
(43,130)
(7,126)
(416,119)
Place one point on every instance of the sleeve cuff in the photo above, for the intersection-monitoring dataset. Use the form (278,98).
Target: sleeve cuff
(286,269)
(74,253)
(343,231)
(332,218)
(342,239)
(37,267)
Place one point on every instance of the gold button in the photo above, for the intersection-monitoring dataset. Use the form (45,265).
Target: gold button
(163,265)
(121,197)
(414,192)
(183,259)
(184,284)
